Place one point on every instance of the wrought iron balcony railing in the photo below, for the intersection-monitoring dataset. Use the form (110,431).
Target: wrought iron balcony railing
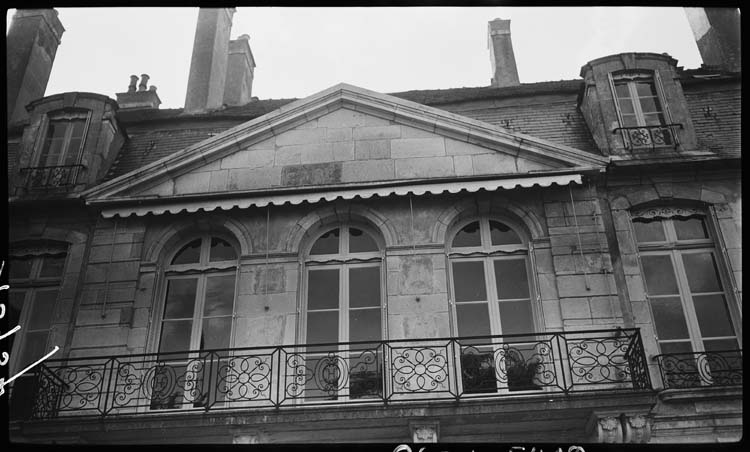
(50,176)
(692,370)
(639,137)
(381,372)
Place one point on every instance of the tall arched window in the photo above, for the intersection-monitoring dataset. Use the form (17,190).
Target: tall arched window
(688,294)
(197,313)
(343,303)
(35,274)
(489,267)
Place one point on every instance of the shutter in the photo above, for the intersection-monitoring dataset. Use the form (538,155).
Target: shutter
(623,133)
(665,104)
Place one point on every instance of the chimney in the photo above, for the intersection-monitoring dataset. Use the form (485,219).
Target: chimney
(138,100)
(501,54)
(31,45)
(208,66)
(717,33)
(240,68)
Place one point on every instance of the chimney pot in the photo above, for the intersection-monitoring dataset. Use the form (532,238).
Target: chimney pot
(152,88)
(133,83)
(144,82)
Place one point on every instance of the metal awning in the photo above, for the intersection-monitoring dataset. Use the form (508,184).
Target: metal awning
(174,206)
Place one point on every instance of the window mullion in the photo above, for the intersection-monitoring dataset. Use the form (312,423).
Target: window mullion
(494,308)
(200,298)
(635,99)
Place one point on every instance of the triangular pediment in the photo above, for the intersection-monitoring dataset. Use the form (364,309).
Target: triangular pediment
(343,136)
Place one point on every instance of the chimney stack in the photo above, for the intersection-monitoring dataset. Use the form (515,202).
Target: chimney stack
(208,66)
(138,100)
(31,45)
(501,54)
(240,67)
(717,33)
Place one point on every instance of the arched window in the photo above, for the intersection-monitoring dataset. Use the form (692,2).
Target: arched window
(688,295)
(343,303)
(489,267)
(197,313)
(35,274)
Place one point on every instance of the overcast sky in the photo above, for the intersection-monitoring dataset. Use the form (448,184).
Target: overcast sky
(300,51)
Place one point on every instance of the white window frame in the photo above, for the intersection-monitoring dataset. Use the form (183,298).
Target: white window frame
(488,254)
(63,116)
(201,271)
(342,261)
(675,249)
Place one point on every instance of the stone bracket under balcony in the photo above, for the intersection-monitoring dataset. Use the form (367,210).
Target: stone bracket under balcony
(542,418)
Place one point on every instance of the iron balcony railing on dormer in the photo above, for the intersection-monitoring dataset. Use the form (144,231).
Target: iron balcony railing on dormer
(382,372)
(694,370)
(640,137)
(44,177)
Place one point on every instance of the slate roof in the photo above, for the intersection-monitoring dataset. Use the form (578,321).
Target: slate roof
(154,134)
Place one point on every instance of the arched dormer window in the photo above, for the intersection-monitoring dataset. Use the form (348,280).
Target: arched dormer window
(642,109)
(63,138)
(197,314)
(343,303)
(492,295)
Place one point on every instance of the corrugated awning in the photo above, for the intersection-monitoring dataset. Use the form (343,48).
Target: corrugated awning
(176,206)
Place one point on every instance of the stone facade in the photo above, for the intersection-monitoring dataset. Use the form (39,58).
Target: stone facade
(412,175)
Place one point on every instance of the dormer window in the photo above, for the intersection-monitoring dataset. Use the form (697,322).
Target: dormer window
(642,112)
(59,153)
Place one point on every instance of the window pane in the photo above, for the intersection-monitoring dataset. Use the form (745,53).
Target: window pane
(221,250)
(645,89)
(215,333)
(360,241)
(322,289)
(15,306)
(626,106)
(516,317)
(364,287)
(511,280)
(219,295)
(649,231)
(77,126)
(175,336)
(501,234)
(622,90)
(653,119)
(690,228)
(20,268)
(328,243)
(189,254)
(649,105)
(322,327)
(52,266)
(34,347)
(468,236)
(659,275)
(364,325)
(675,347)
(701,272)
(669,318)
(180,299)
(629,120)
(713,316)
(473,319)
(718,345)
(468,281)
(43,307)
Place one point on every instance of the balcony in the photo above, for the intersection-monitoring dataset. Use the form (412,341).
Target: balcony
(695,370)
(649,137)
(46,177)
(375,373)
